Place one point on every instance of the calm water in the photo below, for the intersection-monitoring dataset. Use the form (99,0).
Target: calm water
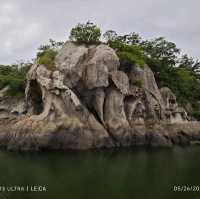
(136,173)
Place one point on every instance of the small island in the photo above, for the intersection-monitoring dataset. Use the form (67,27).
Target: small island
(88,93)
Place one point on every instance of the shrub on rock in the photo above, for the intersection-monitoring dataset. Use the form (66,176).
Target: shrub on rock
(87,33)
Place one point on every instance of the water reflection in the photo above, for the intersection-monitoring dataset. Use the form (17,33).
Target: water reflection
(118,174)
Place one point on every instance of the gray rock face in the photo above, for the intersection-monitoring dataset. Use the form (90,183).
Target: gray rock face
(154,99)
(92,64)
(114,114)
(121,81)
(58,101)
(98,103)
(70,61)
(11,107)
(95,75)
(135,111)
(168,98)
(101,60)
(87,102)
(173,112)
(4,90)
(105,55)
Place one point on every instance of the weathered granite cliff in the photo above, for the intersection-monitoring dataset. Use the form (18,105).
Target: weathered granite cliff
(88,101)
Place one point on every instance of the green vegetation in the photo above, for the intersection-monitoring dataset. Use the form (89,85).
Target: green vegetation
(128,54)
(85,33)
(127,48)
(138,83)
(47,54)
(196,113)
(14,76)
(47,58)
(180,74)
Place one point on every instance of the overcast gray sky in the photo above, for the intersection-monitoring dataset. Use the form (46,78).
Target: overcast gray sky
(25,24)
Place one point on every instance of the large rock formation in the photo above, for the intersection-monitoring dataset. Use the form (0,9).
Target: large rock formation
(90,102)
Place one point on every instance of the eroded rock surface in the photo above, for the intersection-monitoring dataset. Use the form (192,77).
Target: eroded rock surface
(173,112)
(90,102)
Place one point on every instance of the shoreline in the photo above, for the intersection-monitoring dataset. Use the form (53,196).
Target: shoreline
(80,138)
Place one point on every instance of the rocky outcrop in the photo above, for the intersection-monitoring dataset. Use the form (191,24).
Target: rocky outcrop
(88,101)
(11,107)
(153,97)
(173,112)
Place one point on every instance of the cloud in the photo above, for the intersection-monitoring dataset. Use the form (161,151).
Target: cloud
(24,25)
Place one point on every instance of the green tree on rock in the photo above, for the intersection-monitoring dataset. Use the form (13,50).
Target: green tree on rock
(87,33)
(46,54)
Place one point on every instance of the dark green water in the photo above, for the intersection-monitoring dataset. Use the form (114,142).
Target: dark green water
(127,174)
